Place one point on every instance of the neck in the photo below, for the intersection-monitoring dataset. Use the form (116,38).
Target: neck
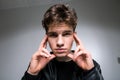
(64,59)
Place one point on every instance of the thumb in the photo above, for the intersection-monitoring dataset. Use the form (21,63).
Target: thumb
(52,57)
(70,56)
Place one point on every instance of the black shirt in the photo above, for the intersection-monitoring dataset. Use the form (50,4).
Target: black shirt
(56,70)
(65,70)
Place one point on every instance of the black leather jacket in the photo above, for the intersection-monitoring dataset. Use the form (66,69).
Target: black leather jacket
(50,73)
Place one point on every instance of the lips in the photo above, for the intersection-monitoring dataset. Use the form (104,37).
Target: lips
(61,50)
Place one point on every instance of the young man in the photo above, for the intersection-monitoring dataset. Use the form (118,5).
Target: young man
(62,63)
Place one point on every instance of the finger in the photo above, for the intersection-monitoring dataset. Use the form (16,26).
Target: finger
(43,42)
(78,54)
(52,57)
(77,40)
(44,55)
(82,54)
(40,53)
(77,49)
(87,54)
(46,51)
(70,56)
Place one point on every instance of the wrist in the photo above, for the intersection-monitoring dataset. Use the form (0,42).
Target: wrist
(32,72)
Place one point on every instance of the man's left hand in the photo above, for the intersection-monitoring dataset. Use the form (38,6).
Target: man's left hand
(81,56)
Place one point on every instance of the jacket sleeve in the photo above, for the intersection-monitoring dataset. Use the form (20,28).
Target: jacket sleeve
(93,74)
(28,76)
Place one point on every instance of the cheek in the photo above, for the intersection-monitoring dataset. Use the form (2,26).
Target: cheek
(69,41)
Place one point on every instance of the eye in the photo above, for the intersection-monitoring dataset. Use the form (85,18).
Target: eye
(52,35)
(67,34)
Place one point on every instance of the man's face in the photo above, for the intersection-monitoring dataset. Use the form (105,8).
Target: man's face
(60,39)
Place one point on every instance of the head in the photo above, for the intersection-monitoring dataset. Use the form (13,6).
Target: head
(60,22)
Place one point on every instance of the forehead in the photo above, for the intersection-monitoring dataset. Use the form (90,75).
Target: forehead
(59,28)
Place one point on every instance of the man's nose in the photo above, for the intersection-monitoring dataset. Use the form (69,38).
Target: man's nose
(60,41)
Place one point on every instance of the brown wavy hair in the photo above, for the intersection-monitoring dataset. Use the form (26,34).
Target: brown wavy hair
(59,13)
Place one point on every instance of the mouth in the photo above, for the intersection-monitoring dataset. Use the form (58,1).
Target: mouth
(61,50)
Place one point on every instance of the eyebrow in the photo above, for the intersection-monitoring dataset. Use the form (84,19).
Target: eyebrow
(66,31)
(48,33)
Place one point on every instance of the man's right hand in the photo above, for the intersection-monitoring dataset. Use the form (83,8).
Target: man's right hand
(40,58)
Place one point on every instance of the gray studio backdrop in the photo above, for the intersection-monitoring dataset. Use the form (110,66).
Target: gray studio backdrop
(98,28)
